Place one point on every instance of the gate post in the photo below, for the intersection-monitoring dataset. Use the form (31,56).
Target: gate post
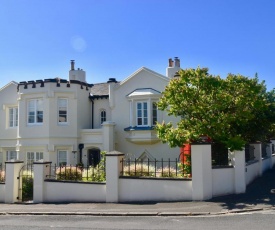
(201,171)
(258,156)
(40,171)
(113,169)
(12,180)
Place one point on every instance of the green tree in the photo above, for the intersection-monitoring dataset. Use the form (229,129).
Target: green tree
(228,110)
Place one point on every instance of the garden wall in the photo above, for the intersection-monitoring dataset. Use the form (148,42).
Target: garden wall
(223,181)
(273,159)
(265,164)
(74,192)
(131,189)
(252,172)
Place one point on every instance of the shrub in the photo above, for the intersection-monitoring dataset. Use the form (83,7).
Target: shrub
(94,174)
(68,173)
(27,188)
(168,172)
(139,170)
(2,176)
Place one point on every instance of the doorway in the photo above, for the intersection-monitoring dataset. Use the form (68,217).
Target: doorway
(93,157)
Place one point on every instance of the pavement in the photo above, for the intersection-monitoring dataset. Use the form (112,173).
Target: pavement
(260,195)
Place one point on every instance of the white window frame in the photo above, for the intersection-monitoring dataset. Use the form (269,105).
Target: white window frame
(13,117)
(33,156)
(36,112)
(142,113)
(144,95)
(11,155)
(154,113)
(59,110)
(103,116)
(61,161)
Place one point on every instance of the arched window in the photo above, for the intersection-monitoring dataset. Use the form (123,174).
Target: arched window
(102,116)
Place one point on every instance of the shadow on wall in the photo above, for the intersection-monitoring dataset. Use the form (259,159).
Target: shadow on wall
(260,191)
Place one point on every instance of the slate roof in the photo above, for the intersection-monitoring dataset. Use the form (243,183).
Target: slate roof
(100,89)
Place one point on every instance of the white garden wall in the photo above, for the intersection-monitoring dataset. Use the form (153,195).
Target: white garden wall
(273,160)
(252,172)
(154,190)
(74,192)
(2,192)
(265,164)
(223,181)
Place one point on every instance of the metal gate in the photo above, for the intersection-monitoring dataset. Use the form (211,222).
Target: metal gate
(25,180)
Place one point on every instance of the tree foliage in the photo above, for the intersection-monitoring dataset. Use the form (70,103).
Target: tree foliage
(232,111)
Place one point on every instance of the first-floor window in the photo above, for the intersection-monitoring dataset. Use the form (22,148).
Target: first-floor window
(35,111)
(11,155)
(142,114)
(34,156)
(62,110)
(154,113)
(62,157)
(13,117)
(102,116)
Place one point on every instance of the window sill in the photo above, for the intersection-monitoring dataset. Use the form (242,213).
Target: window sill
(142,135)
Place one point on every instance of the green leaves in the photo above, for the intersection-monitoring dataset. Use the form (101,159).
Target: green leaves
(233,111)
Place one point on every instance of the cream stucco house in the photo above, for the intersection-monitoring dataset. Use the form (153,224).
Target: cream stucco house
(68,121)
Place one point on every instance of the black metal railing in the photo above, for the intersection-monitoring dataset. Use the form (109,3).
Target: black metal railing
(156,168)
(219,154)
(2,172)
(249,153)
(78,173)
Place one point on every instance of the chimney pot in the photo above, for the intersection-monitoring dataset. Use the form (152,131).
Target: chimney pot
(72,64)
(170,62)
(177,62)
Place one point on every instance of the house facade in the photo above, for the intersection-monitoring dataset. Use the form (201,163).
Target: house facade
(67,121)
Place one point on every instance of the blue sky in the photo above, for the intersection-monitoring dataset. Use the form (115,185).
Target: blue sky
(113,38)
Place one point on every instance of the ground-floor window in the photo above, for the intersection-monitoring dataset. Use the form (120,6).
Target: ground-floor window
(34,156)
(62,157)
(11,155)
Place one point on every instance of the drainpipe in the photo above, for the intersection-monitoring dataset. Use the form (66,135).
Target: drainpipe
(92,114)
(80,146)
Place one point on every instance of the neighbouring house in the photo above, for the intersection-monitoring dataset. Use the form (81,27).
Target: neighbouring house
(68,121)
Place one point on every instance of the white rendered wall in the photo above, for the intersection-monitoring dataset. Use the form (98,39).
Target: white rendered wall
(74,192)
(52,136)
(121,115)
(273,160)
(223,181)
(265,164)
(8,136)
(99,105)
(252,172)
(154,190)
(2,192)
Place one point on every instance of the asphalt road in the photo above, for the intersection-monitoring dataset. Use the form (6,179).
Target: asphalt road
(247,221)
